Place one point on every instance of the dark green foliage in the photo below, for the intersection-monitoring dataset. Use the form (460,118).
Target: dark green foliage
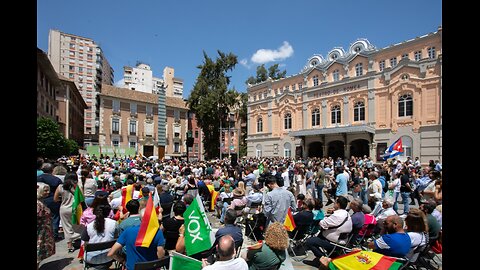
(210,99)
(263,75)
(50,141)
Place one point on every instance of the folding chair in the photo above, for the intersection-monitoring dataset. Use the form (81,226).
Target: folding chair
(98,259)
(162,263)
(297,238)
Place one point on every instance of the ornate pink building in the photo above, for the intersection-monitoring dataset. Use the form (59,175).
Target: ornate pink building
(354,102)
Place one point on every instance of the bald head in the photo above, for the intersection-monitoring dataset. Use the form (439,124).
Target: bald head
(226,247)
(394,224)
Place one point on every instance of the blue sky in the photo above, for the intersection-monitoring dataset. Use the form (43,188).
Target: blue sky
(175,32)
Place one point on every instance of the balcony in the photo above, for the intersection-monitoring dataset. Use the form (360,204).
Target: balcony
(149,117)
(133,114)
(115,132)
(117,113)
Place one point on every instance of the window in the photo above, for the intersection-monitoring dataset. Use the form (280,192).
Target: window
(115,126)
(294,87)
(418,55)
(259,125)
(336,114)
(196,147)
(149,110)
(115,142)
(258,153)
(431,52)
(405,55)
(336,75)
(315,80)
(315,117)
(287,121)
(133,144)
(196,134)
(405,105)
(287,150)
(176,147)
(133,127)
(299,86)
(133,108)
(176,114)
(381,65)
(359,111)
(359,69)
(393,62)
(407,144)
(71,68)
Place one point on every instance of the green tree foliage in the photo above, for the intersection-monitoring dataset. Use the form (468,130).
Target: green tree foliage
(211,100)
(50,142)
(262,74)
(71,147)
(243,116)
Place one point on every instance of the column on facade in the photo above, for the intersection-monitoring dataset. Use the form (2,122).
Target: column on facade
(346,120)
(324,113)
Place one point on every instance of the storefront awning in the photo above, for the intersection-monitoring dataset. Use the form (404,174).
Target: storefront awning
(333,130)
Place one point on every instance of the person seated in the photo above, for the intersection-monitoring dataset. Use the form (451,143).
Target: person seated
(433,225)
(171,225)
(132,217)
(332,226)
(358,217)
(224,199)
(417,231)
(230,228)
(395,242)
(300,199)
(303,220)
(239,200)
(387,210)
(271,251)
(226,256)
(375,203)
(370,219)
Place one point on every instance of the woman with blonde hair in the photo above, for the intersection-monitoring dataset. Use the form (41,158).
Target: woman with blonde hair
(272,252)
(45,239)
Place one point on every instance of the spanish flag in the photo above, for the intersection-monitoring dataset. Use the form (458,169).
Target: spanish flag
(77,209)
(289,223)
(148,227)
(127,194)
(364,260)
(213,200)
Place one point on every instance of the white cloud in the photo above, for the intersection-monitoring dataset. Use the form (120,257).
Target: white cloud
(244,62)
(119,83)
(263,56)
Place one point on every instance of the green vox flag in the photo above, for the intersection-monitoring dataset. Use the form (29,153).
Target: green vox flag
(198,232)
(260,168)
(180,262)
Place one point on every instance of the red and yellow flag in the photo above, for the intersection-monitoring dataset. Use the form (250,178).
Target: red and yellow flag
(127,194)
(213,200)
(289,223)
(148,227)
(77,209)
(364,260)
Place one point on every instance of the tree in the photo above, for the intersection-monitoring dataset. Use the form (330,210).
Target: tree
(243,119)
(210,99)
(50,142)
(263,75)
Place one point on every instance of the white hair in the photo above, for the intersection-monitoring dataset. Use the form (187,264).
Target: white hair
(41,188)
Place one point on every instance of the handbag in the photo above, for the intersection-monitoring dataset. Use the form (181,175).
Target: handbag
(437,247)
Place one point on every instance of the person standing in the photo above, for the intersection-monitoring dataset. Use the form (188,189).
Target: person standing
(45,238)
(277,202)
(53,182)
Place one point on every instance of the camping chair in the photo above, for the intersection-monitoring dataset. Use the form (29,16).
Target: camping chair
(100,259)
(162,263)
(296,241)
(239,210)
(255,226)
(342,244)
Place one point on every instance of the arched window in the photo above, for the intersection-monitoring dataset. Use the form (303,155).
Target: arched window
(336,114)
(407,144)
(359,69)
(287,121)
(287,150)
(405,105)
(359,111)
(258,150)
(315,117)
(259,125)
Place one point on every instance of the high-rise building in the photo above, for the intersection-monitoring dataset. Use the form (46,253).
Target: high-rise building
(140,78)
(173,86)
(81,60)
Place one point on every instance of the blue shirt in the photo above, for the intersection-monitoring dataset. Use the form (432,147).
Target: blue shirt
(234,230)
(394,244)
(342,184)
(139,254)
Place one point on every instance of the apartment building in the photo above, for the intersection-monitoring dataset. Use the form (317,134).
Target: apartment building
(82,61)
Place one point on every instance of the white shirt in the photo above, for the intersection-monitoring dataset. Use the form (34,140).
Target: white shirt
(232,264)
(416,239)
(336,219)
(286,179)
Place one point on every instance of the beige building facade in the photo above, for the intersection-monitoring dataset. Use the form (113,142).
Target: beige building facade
(355,102)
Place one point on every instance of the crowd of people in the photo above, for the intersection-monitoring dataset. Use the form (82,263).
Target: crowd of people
(338,197)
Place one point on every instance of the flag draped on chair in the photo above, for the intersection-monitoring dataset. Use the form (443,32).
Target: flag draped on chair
(289,223)
(77,209)
(364,260)
(213,200)
(148,226)
(394,150)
